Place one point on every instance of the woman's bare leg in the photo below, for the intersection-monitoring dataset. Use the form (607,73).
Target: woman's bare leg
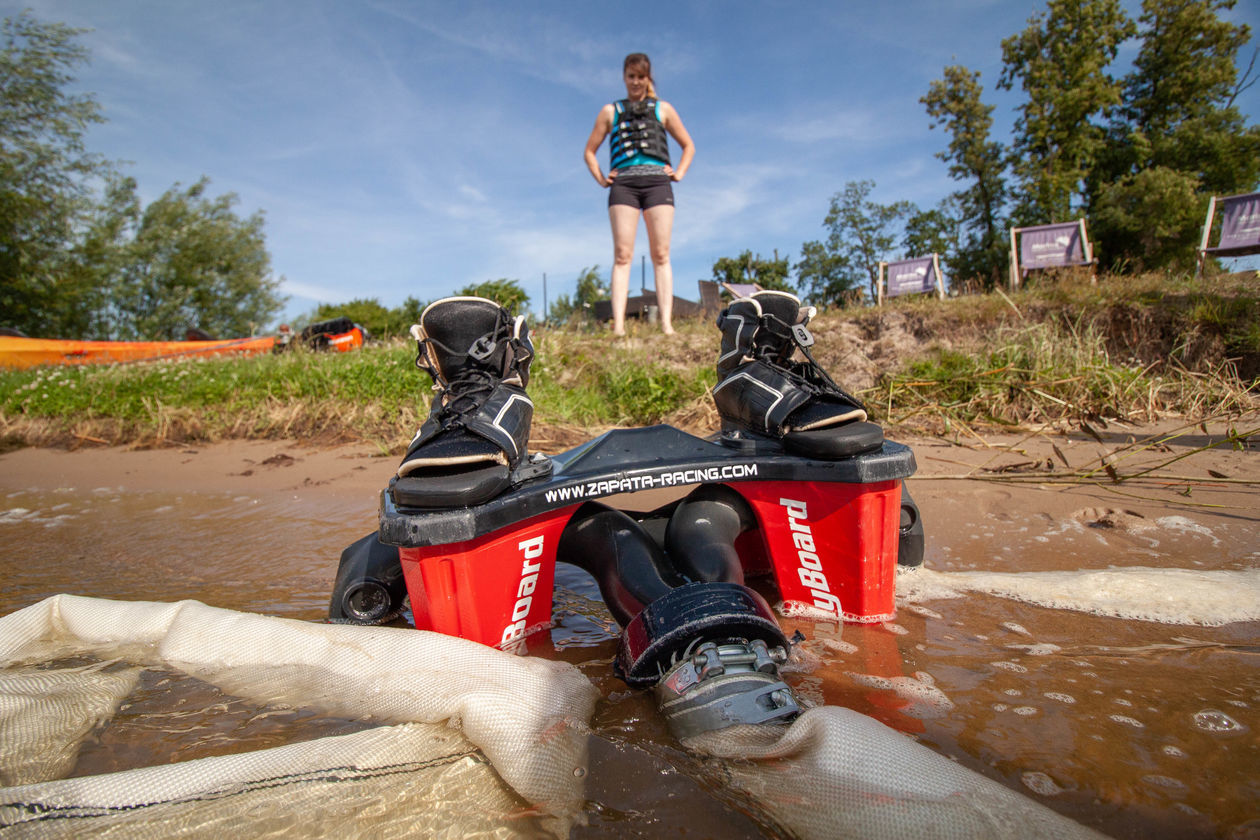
(660,226)
(625,223)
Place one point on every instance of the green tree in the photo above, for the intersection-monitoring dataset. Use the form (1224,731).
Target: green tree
(45,175)
(1186,67)
(194,263)
(368,313)
(933,231)
(1151,219)
(862,234)
(590,288)
(409,313)
(1061,62)
(1177,129)
(978,162)
(826,278)
(562,309)
(746,268)
(507,293)
(96,261)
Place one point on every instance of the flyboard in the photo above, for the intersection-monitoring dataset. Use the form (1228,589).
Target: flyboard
(830,532)
(797,485)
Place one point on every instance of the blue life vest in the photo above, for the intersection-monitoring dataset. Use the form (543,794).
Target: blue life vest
(637,135)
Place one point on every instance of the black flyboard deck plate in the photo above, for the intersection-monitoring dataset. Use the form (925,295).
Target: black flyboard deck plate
(624,461)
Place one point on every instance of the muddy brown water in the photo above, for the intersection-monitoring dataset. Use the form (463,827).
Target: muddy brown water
(1135,728)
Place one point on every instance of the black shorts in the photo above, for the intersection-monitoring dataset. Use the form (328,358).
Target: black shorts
(641,191)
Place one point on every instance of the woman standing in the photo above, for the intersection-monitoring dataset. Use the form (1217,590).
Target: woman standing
(639,176)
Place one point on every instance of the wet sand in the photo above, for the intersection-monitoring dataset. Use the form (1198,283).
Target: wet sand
(978,469)
(1005,654)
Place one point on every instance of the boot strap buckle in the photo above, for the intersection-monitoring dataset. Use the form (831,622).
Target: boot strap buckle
(802,335)
(483,347)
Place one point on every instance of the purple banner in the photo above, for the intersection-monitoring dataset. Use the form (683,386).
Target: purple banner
(1240,221)
(910,277)
(1048,246)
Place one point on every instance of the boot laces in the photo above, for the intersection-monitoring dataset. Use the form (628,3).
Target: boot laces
(467,391)
(809,374)
(465,395)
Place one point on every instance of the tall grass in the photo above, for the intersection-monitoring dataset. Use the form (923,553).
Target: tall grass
(1047,371)
(375,395)
(586,380)
(1034,357)
(331,397)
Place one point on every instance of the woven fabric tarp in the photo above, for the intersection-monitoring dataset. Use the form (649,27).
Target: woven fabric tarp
(410,780)
(840,774)
(526,716)
(473,741)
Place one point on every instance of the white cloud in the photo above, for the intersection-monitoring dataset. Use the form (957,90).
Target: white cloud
(857,126)
(310,292)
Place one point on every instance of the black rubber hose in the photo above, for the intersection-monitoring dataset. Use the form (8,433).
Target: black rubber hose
(910,531)
(625,561)
(700,537)
(370,587)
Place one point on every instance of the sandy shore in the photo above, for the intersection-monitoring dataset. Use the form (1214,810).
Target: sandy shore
(1039,677)
(252,466)
(1196,473)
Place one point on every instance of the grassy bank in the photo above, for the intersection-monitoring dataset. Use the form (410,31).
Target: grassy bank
(1068,351)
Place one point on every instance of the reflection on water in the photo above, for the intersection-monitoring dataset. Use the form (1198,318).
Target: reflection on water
(1136,728)
(173,717)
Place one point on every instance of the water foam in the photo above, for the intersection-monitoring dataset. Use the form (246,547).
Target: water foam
(1041,783)
(923,699)
(1127,721)
(1168,596)
(796,609)
(17,515)
(1187,526)
(839,645)
(925,612)
(1214,720)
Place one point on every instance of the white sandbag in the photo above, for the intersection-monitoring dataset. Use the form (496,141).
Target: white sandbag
(835,773)
(527,715)
(411,780)
(45,715)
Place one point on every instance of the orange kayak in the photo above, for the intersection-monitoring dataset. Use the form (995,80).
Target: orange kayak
(30,352)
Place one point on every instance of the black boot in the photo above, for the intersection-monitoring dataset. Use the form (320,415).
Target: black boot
(762,392)
(478,427)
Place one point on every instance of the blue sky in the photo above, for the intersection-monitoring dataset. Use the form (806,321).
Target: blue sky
(412,148)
